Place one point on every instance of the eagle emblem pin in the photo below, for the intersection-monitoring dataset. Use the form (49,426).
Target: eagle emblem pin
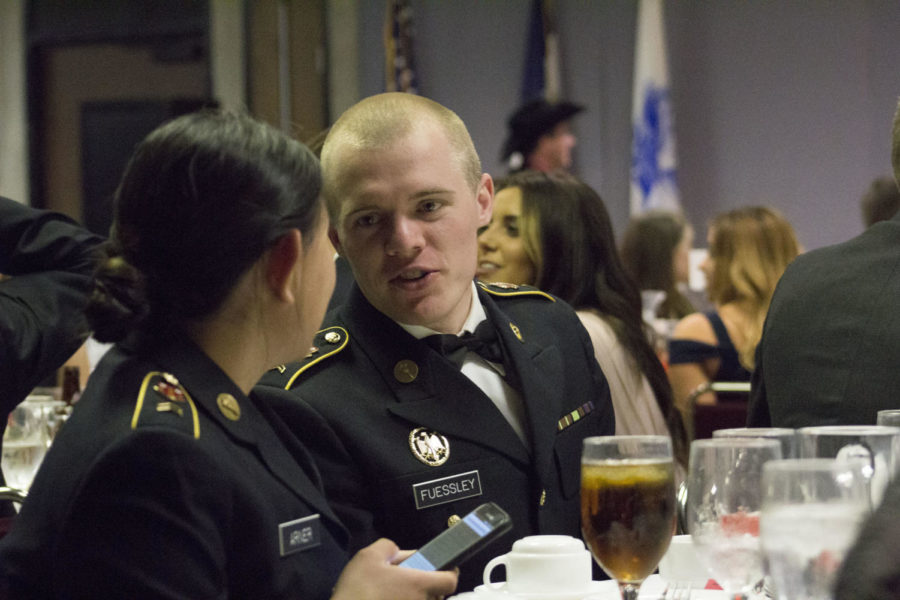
(429,446)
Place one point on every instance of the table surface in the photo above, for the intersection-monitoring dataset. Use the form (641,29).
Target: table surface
(652,589)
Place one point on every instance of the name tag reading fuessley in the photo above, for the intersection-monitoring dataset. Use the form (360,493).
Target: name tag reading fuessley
(447,489)
(300,534)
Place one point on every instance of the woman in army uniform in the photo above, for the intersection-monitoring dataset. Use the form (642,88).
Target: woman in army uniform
(170,480)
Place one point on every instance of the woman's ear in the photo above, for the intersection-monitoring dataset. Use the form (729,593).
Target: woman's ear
(281,266)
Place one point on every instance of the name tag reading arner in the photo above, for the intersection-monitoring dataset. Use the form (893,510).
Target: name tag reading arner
(447,489)
(301,534)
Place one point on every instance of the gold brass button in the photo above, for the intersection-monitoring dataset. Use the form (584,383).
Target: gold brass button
(332,337)
(453,520)
(406,371)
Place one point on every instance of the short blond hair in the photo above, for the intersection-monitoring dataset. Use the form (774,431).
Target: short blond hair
(379,121)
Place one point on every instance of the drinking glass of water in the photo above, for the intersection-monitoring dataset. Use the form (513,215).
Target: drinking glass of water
(723,504)
(812,511)
(877,446)
(785,435)
(24,444)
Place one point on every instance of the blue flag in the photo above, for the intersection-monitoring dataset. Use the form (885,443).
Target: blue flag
(541,74)
(533,73)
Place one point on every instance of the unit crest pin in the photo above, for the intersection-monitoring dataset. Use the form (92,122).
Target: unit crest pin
(228,406)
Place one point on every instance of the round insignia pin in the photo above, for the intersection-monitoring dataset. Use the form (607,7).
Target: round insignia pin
(429,446)
(332,337)
(453,520)
(406,371)
(229,407)
(516,331)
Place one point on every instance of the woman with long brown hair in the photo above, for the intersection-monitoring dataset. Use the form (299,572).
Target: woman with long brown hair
(655,252)
(553,231)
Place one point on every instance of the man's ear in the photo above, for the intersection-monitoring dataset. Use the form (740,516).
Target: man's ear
(485,199)
(335,240)
(281,267)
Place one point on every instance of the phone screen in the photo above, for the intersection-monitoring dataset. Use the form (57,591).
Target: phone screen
(457,543)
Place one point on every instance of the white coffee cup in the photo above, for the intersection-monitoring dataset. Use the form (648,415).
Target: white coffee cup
(541,564)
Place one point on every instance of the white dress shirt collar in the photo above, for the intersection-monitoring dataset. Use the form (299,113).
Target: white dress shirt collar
(476,316)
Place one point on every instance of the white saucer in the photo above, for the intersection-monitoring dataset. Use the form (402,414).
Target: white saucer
(501,593)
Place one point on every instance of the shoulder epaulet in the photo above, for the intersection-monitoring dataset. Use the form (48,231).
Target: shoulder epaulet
(326,343)
(162,400)
(513,289)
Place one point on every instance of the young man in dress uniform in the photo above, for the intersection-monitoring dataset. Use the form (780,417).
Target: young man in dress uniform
(407,441)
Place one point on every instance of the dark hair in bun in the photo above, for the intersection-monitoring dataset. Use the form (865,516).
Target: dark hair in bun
(203,197)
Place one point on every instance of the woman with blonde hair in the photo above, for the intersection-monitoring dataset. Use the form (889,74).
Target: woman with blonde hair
(749,249)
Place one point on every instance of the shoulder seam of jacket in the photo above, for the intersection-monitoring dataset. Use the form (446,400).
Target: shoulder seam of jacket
(519,291)
(318,359)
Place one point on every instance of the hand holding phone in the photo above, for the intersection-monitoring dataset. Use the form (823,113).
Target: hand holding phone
(456,544)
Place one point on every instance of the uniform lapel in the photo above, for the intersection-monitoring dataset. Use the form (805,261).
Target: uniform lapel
(539,370)
(306,483)
(205,382)
(439,396)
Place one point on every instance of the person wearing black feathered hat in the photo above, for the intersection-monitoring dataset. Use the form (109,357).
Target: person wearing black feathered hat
(540,136)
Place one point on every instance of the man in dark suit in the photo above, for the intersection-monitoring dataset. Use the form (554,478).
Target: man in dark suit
(407,441)
(830,350)
(49,261)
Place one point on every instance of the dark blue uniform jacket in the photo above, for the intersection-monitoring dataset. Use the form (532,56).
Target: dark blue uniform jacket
(168,482)
(372,397)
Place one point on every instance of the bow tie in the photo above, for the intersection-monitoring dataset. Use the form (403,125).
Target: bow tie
(483,342)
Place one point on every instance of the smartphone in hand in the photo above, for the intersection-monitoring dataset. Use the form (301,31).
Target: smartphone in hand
(456,544)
